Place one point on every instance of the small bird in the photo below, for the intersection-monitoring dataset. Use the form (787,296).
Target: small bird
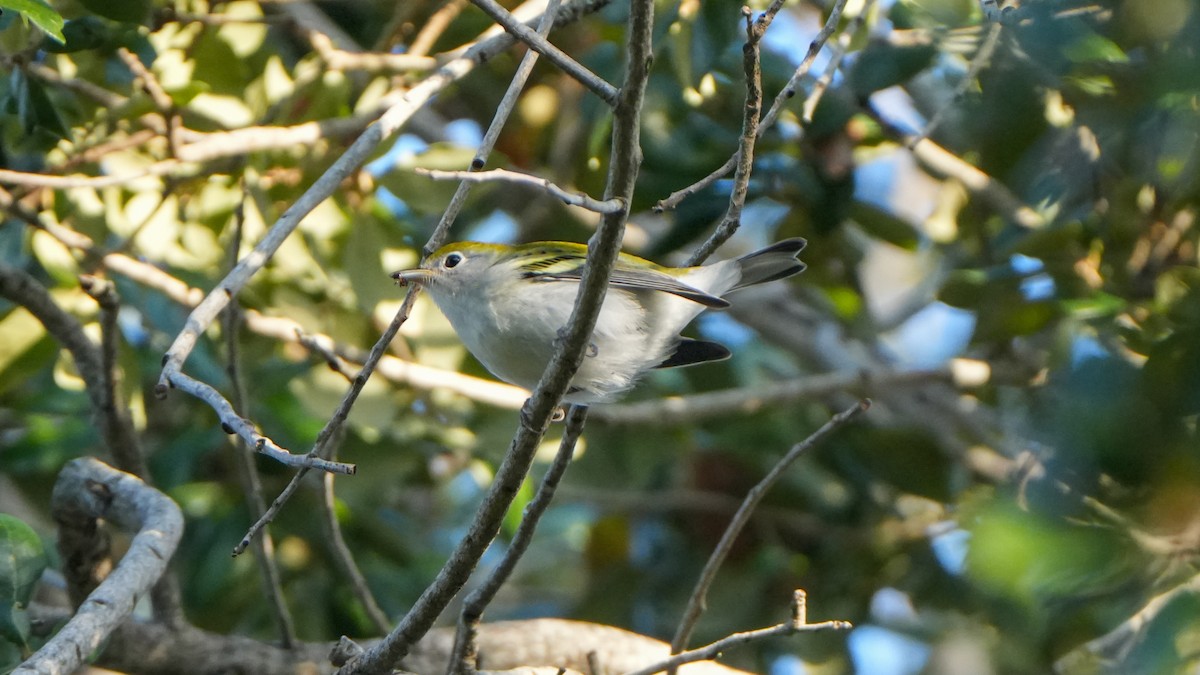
(508,305)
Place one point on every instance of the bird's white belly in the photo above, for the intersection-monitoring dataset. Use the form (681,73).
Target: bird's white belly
(517,350)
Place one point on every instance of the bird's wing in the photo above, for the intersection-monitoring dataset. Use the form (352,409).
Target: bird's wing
(570,268)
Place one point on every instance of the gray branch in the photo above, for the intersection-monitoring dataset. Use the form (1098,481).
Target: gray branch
(87,490)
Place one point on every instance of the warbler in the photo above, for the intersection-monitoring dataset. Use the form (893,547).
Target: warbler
(508,305)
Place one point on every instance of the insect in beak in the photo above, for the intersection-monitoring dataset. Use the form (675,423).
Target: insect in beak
(415,276)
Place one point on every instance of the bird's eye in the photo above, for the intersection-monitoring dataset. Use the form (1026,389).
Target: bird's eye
(451,260)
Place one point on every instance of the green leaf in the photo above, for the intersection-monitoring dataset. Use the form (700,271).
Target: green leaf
(129,11)
(45,113)
(516,510)
(22,560)
(88,32)
(881,65)
(40,13)
(34,109)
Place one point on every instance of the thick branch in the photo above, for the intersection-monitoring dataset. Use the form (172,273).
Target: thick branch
(88,490)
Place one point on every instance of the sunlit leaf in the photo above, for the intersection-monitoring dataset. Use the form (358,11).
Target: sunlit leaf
(40,13)
(22,560)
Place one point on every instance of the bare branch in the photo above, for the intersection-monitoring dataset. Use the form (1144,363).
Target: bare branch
(982,56)
(798,624)
(345,559)
(323,445)
(435,25)
(374,62)
(503,175)
(465,656)
(233,423)
(42,180)
(503,111)
(788,92)
(112,420)
(749,400)
(568,65)
(1115,645)
(537,412)
(745,154)
(88,490)
(264,547)
(696,603)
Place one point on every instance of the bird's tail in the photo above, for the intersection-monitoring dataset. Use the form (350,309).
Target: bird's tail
(777,261)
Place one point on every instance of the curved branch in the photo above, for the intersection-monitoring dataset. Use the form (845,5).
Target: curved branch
(87,490)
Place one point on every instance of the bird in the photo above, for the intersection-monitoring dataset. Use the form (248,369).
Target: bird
(509,303)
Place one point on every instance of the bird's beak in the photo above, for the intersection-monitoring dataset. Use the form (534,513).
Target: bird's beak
(415,276)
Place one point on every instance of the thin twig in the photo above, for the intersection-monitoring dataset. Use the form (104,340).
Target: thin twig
(42,180)
(464,657)
(328,433)
(264,546)
(942,163)
(752,108)
(798,624)
(509,102)
(787,93)
(233,423)
(982,56)
(678,410)
(1116,644)
(345,559)
(162,100)
(503,175)
(536,414)
(434,26)
(372,62)
(837,53)
(696,603)
(558,57)
(117,429)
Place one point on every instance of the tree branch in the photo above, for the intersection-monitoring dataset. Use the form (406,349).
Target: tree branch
(536,414)
(696,603)
(798,624)
(676,410)
(541,45)
(502,175)
(787,93)
(112,420)
(88,490)
(464,659)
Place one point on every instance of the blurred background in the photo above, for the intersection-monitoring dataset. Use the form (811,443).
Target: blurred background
(999,202)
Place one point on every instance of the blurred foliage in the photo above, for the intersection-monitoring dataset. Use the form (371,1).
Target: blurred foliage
(1090,323)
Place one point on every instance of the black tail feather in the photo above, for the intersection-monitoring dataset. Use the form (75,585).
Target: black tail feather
(689,352)
(776,261)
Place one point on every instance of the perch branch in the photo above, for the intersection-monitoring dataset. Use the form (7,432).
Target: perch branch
(536,414)
(464,659)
